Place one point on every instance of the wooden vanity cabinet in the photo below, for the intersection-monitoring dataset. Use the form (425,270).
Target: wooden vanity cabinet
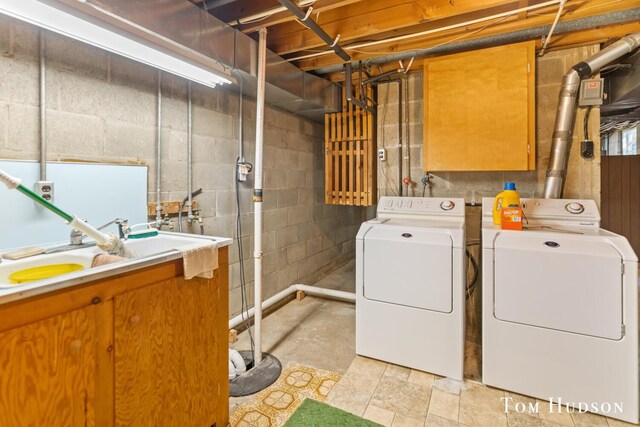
(145,348)
(48,371)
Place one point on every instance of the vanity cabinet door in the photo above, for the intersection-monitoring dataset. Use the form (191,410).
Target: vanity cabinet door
(47,371)
(170,355)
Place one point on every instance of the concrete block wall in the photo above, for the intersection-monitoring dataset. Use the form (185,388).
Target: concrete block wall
(583,179)
(102,108)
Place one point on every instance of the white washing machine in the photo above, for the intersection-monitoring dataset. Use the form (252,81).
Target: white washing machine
(560,309)
(410,284)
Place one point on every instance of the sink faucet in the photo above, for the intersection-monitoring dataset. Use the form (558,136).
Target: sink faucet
(123,230)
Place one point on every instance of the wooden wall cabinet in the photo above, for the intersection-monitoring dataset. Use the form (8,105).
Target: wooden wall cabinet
(145,348)
(479,110)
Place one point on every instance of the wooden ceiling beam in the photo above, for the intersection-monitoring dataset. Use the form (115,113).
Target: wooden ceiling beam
(319,7)
(371,18)
(573,10)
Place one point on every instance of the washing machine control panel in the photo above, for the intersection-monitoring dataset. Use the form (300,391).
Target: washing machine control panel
(421,206)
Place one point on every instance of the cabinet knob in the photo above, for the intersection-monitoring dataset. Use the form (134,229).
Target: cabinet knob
(75,346)
(135,319)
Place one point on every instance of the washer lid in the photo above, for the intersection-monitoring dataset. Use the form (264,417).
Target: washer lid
(559,281)
(409,266)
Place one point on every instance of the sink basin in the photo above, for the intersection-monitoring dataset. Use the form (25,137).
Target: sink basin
(151,250)
(164,242)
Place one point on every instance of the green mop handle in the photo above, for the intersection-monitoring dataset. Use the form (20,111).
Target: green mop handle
(15,183)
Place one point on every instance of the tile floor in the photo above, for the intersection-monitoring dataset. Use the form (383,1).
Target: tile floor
(321,333)
(401,397)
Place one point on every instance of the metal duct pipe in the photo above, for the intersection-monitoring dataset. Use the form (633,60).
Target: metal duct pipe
(43,107)
(565,118)
(159,153)
(311,24)
(623,16)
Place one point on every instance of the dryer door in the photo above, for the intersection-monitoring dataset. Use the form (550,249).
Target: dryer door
(409,266)
(560,282)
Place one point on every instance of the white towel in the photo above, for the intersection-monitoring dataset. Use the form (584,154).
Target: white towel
(200,260)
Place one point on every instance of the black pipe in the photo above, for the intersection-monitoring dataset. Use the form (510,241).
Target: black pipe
(349,91)
(311,24)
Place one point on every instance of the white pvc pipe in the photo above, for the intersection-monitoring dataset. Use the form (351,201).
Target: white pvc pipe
(257,196)
(311,290)
(238,362)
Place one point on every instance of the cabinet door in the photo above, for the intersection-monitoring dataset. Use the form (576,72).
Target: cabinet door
(47,372)
(479,110)
(170,357)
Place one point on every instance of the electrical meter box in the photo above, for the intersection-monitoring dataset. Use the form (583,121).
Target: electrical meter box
(591,92)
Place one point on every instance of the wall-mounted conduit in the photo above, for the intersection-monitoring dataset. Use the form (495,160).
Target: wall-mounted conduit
(159,152)
(43,107)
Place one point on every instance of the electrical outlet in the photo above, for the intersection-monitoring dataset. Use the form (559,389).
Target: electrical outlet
(244,169)
(44,189)
(382,154)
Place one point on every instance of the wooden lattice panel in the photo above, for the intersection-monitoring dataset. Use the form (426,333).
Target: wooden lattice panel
(350,145)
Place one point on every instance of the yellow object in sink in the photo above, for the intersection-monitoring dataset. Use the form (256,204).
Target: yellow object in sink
(43,272)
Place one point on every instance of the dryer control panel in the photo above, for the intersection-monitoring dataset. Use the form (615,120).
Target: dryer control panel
(573,211)
(419,206)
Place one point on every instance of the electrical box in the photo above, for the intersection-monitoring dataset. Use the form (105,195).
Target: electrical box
(591,92)
(382,154)
(44,189)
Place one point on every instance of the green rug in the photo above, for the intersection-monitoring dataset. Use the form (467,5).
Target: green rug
(316,414)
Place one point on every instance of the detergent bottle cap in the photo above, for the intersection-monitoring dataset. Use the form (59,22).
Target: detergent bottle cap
(509,185)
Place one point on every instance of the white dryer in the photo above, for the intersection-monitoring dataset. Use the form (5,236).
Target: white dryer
(560,309)
(410,284)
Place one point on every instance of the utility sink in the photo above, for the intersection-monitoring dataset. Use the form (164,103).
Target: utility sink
(74,266)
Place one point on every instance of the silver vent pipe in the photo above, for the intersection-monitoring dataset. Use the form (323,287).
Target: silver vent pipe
(565,118)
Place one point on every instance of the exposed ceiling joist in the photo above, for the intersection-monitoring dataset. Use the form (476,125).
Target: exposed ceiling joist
(435,22)
(573,10)
(380,16)
(561,41)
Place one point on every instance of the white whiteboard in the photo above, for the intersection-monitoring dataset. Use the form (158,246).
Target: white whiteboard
(96,193)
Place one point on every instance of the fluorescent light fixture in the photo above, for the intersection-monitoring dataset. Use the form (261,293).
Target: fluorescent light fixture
(72,23)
